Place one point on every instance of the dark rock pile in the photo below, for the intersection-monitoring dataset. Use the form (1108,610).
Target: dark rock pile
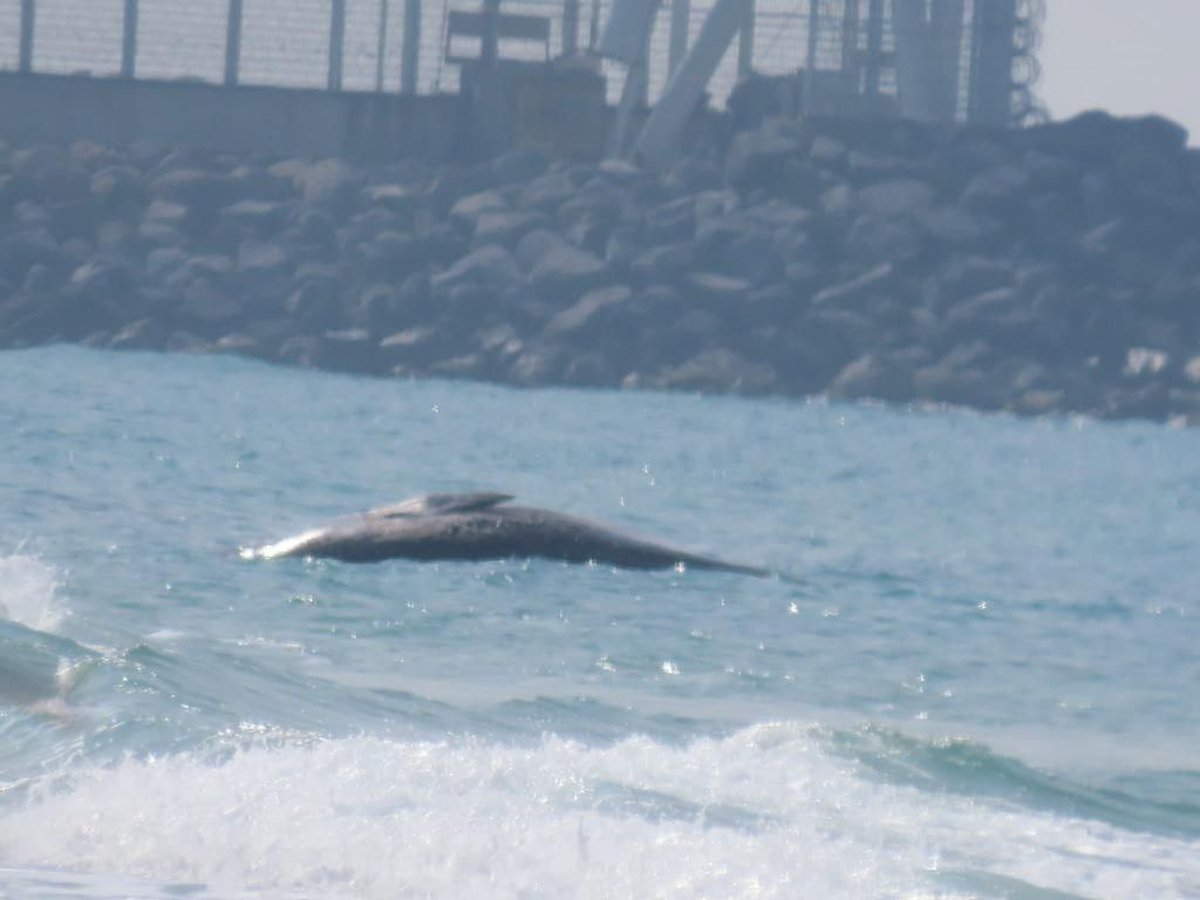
(1053,269)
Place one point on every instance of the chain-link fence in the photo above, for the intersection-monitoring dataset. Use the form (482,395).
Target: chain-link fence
(287,42)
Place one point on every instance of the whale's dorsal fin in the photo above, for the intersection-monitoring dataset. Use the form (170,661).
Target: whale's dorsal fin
(440,504)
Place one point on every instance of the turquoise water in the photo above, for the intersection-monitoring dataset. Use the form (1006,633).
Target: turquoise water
(982,684)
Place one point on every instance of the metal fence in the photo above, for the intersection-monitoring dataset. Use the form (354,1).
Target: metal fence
(400,45)
(288,42)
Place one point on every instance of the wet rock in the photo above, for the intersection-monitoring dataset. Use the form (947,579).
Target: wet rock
(142,334)
(881,376)
(315,302)
(208,310)
(240,344)
(411,349)
(347,350)
(720,370)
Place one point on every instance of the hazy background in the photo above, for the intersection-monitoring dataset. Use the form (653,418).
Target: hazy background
(1124,56)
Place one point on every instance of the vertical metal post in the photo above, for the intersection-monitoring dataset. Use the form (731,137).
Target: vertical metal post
(810,65)
(874,50)
(28,13)
(745,59)
(337,40)
(411,48)
(570,27)
(490,43)
(681,12)
(991,63)
(233,41)
(381,46)
(850,55)
(129,40)
(594,26)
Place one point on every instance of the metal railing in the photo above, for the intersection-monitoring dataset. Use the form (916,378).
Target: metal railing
(400,45)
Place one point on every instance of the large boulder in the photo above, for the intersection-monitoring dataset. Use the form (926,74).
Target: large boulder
(490,265)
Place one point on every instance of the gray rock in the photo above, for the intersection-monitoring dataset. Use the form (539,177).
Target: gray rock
(959,227)
(142,334)
(716,291)
(538,365)
(758,159)
(251,182)
(999,191)
(828,153)
(896,197)
(504,227)
(258,217)
(330,183)
(63,181)
(301,350)
(490,265)
(672,221)
(467,210)
(378,308)
(208,309)
(578,322)
(167,212)
(259,262)
(180,341)
(516,167)
(590,369)
(719,370)
(411,349)
(566,272)
(400,199)
(874,239)
(115,185)
(347,350)
(315,302)
(240,344)
(857,292)
(879,376)
(664,263)
(547,192)
(191,188)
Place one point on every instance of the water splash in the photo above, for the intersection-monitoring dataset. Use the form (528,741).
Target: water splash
(29,593)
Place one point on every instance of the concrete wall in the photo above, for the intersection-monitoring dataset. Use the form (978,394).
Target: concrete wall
(39,108)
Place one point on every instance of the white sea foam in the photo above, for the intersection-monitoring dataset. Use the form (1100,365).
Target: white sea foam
(765,812)
(29,593)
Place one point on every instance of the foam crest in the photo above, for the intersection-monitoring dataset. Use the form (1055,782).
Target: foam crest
(762,813)
(29,593)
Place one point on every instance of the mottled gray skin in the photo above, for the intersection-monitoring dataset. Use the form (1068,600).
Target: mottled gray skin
(483,526)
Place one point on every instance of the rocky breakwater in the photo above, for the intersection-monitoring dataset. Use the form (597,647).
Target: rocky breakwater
(1055,269)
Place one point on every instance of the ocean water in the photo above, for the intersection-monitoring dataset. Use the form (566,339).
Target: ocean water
(983,681)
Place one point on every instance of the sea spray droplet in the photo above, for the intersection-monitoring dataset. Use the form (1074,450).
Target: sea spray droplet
(28,593)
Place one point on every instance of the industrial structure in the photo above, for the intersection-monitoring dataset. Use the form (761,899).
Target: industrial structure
(655,61)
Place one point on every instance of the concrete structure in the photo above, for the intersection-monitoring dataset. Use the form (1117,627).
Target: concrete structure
(930,60)
(243,119)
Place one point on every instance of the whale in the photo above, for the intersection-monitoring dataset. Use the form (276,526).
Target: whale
(482,526)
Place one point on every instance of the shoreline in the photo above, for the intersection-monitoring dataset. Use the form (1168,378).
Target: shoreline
(1052,270)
